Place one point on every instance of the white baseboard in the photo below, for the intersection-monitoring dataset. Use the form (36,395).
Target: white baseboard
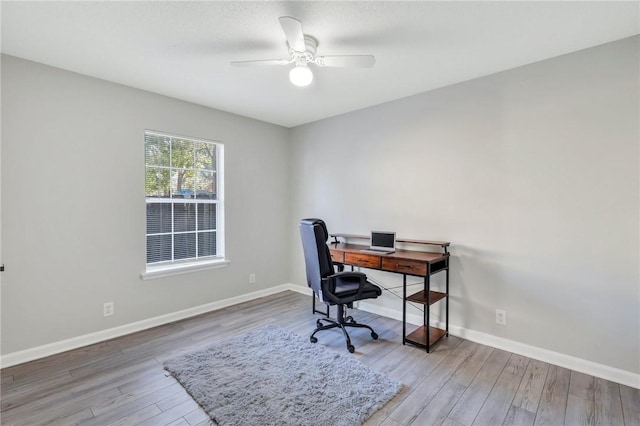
(299,289)
(613,374)
(567,361)
(38,352)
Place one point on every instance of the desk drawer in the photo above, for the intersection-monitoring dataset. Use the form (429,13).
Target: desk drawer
(366,260)
(337,256)
(411,267)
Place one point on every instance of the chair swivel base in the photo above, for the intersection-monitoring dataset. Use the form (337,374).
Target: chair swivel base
(342,324)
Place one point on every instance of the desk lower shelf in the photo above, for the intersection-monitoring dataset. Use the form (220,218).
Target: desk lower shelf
(421,297)
(425,336)
(419,336)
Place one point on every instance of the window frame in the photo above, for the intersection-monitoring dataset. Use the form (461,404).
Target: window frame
(179,266)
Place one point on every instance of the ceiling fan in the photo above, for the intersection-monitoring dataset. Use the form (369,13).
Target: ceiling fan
(302,52)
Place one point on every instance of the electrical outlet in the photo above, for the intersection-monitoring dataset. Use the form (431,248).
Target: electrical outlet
(252,278)
(107,309)
(501,317)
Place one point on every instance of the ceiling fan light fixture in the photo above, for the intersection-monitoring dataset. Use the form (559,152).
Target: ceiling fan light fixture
(301,76)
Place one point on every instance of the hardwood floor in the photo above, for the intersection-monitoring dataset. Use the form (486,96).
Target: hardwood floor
(122,382)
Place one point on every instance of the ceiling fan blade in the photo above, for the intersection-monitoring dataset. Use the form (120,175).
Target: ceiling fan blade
(361,61)
(267,62)
(293,31)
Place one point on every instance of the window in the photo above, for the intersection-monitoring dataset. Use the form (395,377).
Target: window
(184,200)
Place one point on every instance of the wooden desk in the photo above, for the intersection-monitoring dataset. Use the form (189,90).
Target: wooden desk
(405,262)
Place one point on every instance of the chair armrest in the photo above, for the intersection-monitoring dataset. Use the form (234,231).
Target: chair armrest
(329,284)
(361,275)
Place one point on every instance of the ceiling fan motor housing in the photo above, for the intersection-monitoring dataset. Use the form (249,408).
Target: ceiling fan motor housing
(311,46)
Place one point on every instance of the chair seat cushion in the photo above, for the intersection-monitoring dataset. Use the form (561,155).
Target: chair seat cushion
(347,287)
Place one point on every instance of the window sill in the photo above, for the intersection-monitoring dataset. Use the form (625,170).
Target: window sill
(167,271)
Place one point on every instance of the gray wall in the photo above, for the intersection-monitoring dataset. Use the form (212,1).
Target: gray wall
(531,173)
(73,219)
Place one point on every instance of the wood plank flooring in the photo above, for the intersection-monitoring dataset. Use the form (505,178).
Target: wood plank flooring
(122,382)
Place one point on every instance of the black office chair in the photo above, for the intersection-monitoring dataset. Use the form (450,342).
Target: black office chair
(340,289)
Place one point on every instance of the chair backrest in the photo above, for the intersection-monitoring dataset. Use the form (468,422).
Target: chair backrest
(317,257)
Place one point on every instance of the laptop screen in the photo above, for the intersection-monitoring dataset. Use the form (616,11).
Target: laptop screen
(383,240)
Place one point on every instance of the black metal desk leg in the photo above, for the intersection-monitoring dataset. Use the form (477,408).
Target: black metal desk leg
(404,309)
(447,301)
(427,309)
(313,307)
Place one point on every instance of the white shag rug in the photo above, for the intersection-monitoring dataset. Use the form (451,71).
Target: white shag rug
(270,376)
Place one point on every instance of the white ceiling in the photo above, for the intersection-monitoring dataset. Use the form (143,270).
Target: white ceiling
(183,49)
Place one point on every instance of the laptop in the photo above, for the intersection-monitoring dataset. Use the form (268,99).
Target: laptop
(383,242)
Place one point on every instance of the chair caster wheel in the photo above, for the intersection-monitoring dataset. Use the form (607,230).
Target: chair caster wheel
(351,348)
(374,336)
(313,339)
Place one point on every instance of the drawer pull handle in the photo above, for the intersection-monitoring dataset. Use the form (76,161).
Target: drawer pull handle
(403,266)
